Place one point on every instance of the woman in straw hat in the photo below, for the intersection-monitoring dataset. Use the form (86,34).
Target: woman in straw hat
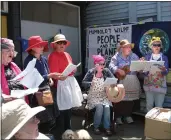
(155,85)
(35,50)
(97,97)
(19,122)
(119,65)
(68,92)
(9,69)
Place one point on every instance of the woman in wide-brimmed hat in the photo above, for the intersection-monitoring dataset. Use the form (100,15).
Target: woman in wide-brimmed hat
(19,122)
(119,66)
(68,92)
(35,50)
(155,85)
(97,98)
(9,69)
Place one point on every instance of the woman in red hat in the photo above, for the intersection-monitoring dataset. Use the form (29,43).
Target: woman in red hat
(35,50)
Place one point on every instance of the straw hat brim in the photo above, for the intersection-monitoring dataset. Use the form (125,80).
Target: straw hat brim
(132,45)
(33,112)
(68,42)
(43,43)
(119,97)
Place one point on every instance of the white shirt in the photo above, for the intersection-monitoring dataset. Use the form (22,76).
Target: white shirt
(42,136)
(156,56)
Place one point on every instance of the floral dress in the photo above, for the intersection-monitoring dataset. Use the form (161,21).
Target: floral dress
(97,94)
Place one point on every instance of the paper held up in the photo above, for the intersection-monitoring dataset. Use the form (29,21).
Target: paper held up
(32,79)
(110,81)
(145,65)
(22,93)
(29,68)
(70,68)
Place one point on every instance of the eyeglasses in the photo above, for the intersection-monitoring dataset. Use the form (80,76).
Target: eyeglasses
(102,64)
(61,42)
(33,119)
(157,45)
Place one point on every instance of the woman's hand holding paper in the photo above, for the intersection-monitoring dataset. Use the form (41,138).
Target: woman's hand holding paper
(62,78)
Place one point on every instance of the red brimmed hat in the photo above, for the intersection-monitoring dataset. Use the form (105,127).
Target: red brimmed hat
(35,41)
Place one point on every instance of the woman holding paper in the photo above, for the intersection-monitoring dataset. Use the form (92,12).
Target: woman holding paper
(155,85)
(9,69)
(35,50)
(119,66)
(97,97)
(68,92)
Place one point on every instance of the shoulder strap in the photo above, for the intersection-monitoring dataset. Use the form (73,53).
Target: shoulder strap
(67,56)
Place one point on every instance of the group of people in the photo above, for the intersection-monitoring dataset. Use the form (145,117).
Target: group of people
(155,86)
(66,91)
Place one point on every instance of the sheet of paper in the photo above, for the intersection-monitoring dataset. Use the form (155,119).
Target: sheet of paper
(32,79)
(144,65)
(70,68)
(29,68)
(110,81)
(22,93)
(136,65)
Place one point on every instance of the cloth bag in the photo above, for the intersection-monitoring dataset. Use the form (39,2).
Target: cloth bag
(44,98)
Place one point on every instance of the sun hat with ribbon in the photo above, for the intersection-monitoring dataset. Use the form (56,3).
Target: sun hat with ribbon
(155,39)
(116,94)
(36,41)
(124,43)
(15,114)
(60,37)
(7,43)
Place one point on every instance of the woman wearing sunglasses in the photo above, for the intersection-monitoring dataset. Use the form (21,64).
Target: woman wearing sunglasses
(155,83)
(68,93)
(97,97)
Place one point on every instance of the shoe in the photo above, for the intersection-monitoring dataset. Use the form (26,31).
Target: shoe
(97,131)
(129,120)
(108,132)
(119,121)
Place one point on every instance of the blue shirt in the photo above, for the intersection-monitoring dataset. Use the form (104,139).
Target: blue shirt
(41,66)
(118,61)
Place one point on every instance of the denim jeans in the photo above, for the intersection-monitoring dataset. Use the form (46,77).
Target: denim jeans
(153,98)
(102,112)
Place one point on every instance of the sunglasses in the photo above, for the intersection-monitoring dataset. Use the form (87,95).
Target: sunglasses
(157,45)
(61,42)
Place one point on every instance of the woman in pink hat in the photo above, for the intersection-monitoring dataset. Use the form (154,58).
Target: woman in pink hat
(9,69)
(97,97)
(35,50)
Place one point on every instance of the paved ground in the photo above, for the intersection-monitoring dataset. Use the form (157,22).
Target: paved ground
(126,131)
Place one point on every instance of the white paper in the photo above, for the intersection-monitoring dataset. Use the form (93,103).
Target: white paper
(110,81)
(22,93)
(145,65)
(32,79)
(70,68)
(29,68)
